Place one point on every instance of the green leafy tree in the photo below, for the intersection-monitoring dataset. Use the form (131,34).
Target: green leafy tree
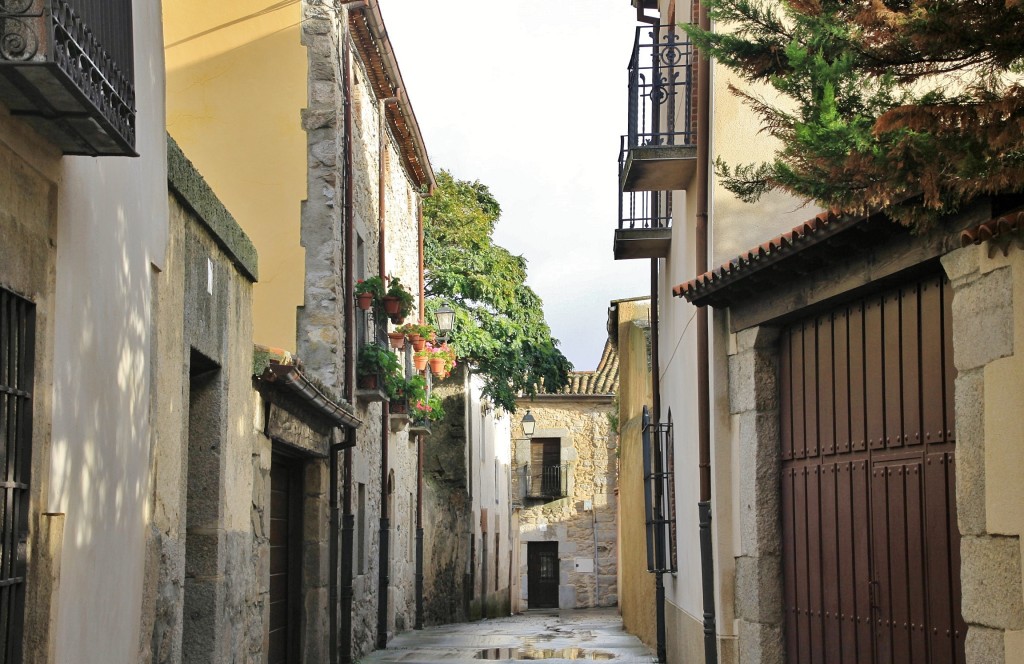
(500,329)
(910,106)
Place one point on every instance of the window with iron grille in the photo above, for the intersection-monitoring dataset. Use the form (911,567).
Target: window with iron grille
(547,476)
(17,343)
(659,494)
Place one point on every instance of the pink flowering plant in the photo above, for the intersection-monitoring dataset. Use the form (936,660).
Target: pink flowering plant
(446,353)
(429,409)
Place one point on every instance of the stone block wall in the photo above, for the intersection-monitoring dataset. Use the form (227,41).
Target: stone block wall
(447,511)
(322,329)
(988,327)
(29,175)
(585,522)
(206,553)
(754,412)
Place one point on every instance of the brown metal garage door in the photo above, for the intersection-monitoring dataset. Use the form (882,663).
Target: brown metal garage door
(870,541)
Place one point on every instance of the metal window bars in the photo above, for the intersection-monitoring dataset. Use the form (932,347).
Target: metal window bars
(17,347)
(539,482)
(659,494)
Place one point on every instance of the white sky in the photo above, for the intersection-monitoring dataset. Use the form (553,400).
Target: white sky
(529,97)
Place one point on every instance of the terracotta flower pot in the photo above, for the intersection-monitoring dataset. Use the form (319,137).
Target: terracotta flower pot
(368,381)
(397,340)
(397,320)
(418,342)
(437,365)
(398,408)
(420,362)
(392,305)
(365,301)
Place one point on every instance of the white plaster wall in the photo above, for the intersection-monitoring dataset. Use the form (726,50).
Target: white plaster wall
(734,227)
(112,225)
(489,435)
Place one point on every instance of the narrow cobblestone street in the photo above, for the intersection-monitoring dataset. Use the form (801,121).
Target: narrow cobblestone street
(551,636)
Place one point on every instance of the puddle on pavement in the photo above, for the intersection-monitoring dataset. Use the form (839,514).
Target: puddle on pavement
(543,653)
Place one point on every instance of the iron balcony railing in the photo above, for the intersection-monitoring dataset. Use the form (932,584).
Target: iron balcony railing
(644,209)
(68,67)
(532,481)
(660,95)
(660,76)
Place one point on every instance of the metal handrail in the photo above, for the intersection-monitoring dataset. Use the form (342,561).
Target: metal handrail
(551,481)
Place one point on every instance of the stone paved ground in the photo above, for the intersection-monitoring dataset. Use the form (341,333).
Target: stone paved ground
(550,636)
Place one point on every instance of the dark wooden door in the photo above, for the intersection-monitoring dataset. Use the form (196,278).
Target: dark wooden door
(285,541)
(542,574)
(870,541)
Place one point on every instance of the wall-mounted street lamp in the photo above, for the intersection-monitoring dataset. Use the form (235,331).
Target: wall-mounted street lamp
(445,317)
(529,425)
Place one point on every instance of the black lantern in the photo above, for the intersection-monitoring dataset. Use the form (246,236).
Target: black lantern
(445,317)
(529,425)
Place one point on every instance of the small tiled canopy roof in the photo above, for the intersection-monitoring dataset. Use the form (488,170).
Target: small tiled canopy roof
(810,245)
(756,257)
(603,381)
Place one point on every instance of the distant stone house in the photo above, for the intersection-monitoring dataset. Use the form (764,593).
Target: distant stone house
(564,484)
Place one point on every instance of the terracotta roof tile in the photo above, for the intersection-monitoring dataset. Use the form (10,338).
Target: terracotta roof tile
(602,381)
(752,259)
(1000,229)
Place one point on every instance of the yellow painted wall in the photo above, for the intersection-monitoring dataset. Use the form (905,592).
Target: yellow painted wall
(236,83)
(636,586)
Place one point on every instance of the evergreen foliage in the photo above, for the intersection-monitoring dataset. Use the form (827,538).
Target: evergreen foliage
(910,106)
(500,329)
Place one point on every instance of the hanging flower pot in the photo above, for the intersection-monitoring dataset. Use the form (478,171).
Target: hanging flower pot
(365,301)
(417,342)
(397,340)
(398,319)
(437,365)
(392,305)
(419,361)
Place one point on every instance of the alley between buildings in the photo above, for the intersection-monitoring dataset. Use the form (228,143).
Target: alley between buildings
(550,636)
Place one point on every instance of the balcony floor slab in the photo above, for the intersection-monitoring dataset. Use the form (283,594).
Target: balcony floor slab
(659,168)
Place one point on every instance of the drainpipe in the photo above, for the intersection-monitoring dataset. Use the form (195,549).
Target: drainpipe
(703,356)
(383,578)
(419,447)
(419,532)
(348,518)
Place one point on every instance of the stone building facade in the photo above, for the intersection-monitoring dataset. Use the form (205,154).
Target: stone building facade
(564,484)
(342,169)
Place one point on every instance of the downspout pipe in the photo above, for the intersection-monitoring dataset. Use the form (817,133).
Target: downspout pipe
(703,355)
(419,448)
(384,572)
(348,518)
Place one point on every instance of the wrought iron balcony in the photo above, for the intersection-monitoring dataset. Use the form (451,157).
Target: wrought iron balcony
(544,482)
(67,67)
(645,224)
(659,151)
